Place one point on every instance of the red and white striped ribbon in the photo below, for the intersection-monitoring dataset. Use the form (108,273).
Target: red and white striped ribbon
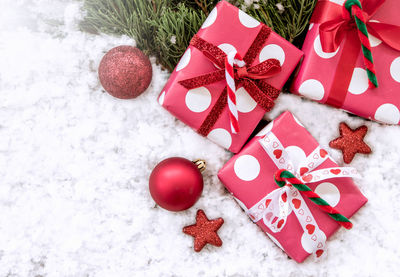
(233,58)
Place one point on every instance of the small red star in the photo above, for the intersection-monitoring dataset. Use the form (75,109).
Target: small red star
(204,231)
(351,142)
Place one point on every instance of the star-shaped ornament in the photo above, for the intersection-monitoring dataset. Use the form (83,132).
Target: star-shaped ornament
(351,142)
(204,231)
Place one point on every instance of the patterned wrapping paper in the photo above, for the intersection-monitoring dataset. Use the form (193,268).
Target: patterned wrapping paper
(249,176)
(228,28)
(316,77)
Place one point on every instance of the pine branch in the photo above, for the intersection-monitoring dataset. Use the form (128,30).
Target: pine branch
(163,28)
(288,18)
(204,5)
(175,28)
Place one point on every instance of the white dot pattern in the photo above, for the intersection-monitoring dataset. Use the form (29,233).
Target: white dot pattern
(221,137)
(226,47)
(244,102)
(296,155)
(212,17)
(272,51)
(247,20)
(329,192)
(184,60)
(266,129)
(388,113)
(395,69)
(161,98)
(359,81)
(247,168)
(312,89)
(198,100)
(320,52)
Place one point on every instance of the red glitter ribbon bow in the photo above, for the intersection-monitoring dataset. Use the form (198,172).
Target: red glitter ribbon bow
(336,26)
(252,78)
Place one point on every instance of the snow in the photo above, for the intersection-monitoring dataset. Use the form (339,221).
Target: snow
(74,167)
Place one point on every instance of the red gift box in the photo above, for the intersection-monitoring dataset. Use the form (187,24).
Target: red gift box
(196,90)
(286,144)
(338,78)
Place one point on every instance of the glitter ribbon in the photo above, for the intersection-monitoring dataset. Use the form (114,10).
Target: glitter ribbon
(252,78)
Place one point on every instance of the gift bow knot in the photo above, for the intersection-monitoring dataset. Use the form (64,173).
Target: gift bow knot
(236,71)
(291,178)
(356,16)
(283,177)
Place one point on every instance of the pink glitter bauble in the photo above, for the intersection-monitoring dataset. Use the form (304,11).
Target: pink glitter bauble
(125,72)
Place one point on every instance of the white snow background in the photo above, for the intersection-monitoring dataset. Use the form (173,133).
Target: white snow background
(75,162)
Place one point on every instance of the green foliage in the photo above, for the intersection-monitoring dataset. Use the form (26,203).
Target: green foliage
(205,6)
(174,30)
(163,28)
(125,17)
(289,18)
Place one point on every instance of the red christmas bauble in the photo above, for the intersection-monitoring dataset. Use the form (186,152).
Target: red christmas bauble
(125,72)
(176,184)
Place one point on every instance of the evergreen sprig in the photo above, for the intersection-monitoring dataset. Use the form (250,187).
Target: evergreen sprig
(163,28)
(174,30)
(289,18)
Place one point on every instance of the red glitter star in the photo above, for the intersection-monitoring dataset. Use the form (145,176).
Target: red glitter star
(204,231)
(351,142)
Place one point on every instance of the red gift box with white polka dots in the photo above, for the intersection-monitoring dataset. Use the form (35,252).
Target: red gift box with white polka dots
(228,28)
(249,176)
(316,77)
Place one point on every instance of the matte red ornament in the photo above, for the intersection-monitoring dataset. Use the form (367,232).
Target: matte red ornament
(125,72)
(204,231)
(176,183)
(351,142)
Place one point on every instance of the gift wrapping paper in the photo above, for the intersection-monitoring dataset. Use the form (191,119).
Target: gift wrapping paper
(228,28)
(249,176)
(316,77)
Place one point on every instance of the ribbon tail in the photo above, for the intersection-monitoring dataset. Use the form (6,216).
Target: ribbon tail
(277,210)
(264,95)
(212,52)
(313,239)
(330,173)
(388,33)
(266,69)
(214,114)
(203,80)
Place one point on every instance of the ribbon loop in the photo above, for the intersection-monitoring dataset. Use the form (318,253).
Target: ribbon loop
(334,25)
(335,28)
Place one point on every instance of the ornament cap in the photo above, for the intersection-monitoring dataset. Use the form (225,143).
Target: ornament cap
(201,164)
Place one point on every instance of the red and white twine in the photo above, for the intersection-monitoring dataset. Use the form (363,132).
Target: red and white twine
(233,58)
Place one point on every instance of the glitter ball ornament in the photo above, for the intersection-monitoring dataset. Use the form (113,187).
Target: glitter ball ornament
(125,72)
(176,183)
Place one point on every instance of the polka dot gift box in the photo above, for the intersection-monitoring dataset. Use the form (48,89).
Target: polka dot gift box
(229,77)
(338,57)
(298,225)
